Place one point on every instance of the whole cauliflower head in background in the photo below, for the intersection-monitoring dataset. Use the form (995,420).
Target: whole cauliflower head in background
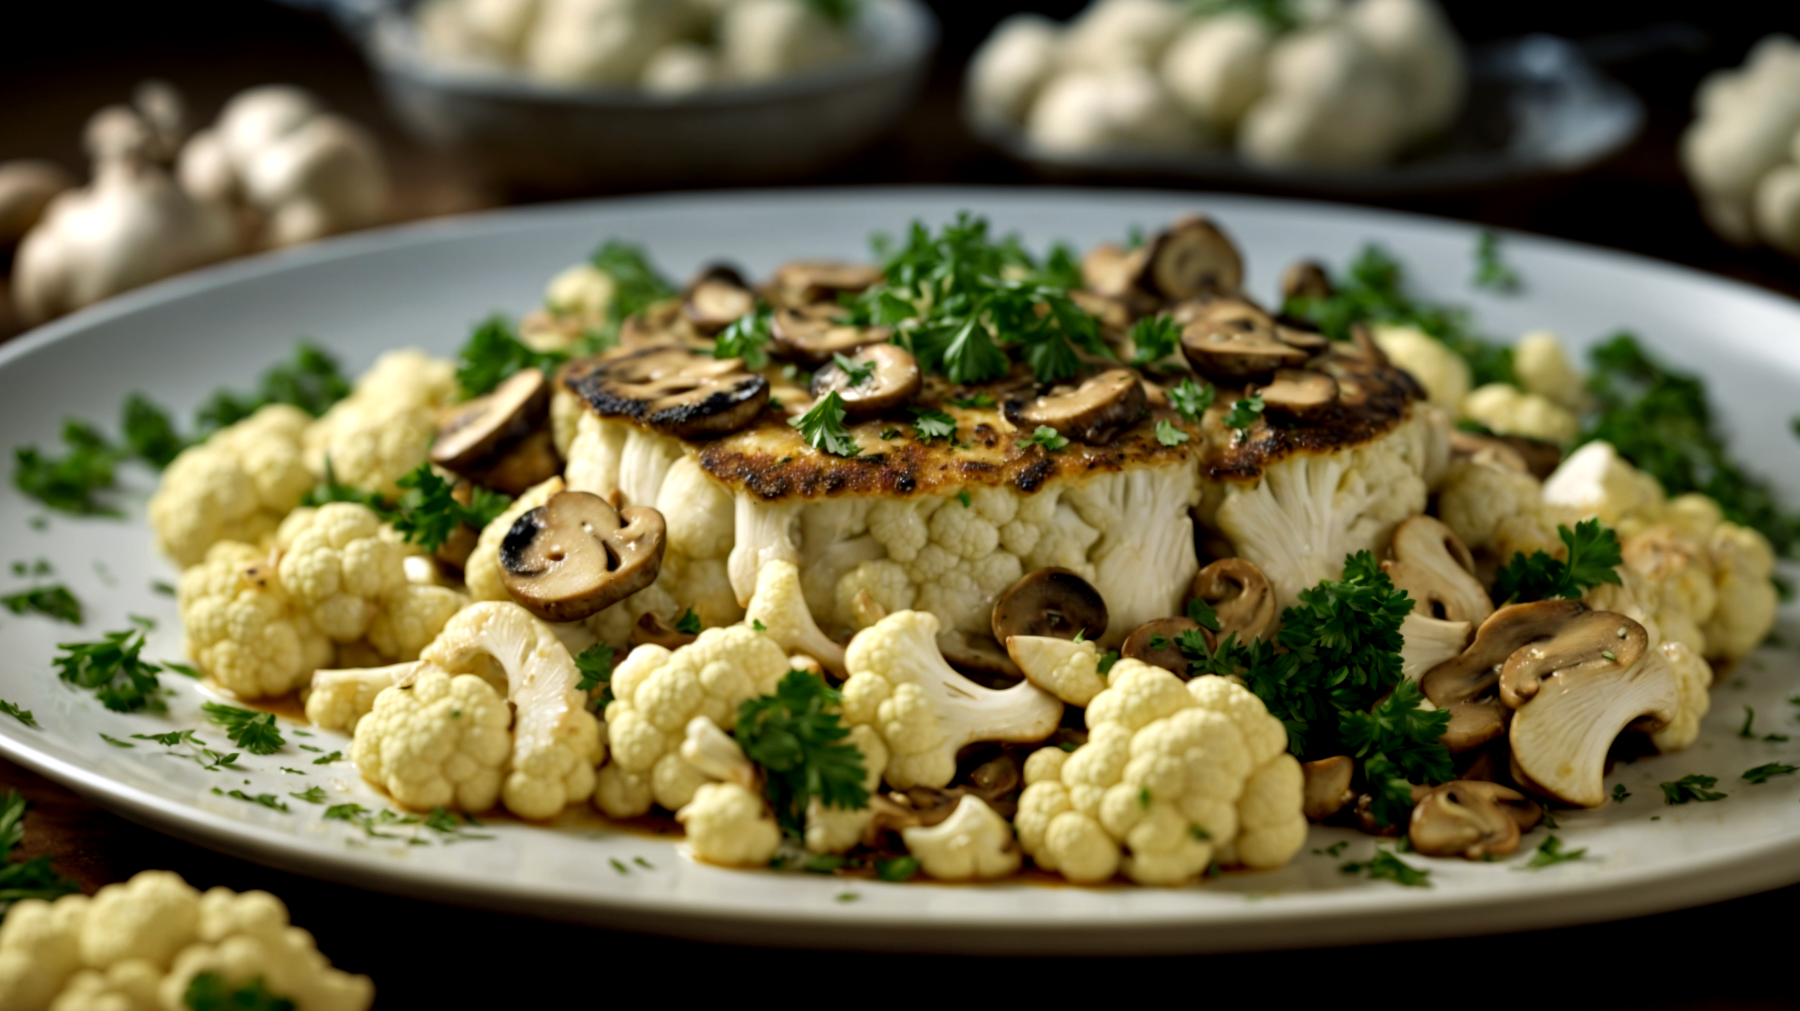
(1172,777)
(1011,67)
(242,629)
(235,486)
(1331,103)
(760,40)
(1740,153)
(1117,108)
(1508,410)
(601,41)
(1216,68)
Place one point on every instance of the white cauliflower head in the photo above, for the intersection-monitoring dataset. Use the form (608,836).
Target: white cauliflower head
(440,741)
(973,844)
(729,825)
(1508,410)
(340,567)
(235,486)
(242,630)
(385,428)
(923,709)
(1443,372)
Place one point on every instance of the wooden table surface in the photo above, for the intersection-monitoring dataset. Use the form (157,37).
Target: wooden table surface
(1733,954)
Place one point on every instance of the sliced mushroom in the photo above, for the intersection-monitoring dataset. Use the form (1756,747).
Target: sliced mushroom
(1192,258)
(1234,340)
(1434,568)
(678,391)
(1327,786)
(813,333)
(1487,450)
(456,548)
(575,555)
(1053,602)
(1589,643)
(1093,412)
(1305,279)
(1239,594)
(531,462)
(1154,643)
(1108,269)
(977,653)
(1561,736)
(1473,820)
(651,628)
(893,380)
(1465,685)
(716,299)
(996,782)
(1365,814)
(803,282)
(1541,458)
(1299,393)
(474,434)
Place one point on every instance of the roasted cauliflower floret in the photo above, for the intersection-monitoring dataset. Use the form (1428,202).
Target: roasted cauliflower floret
(235,486)
(973,844)
(779,607)
(836,829)
(1498,511)
(1443,372)
(730,825)
(440,741)
(242,630)
(1508,410)
(1543,368)
(384,429)
(1743,567)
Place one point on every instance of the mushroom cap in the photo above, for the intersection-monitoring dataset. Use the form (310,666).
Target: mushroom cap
(1592,642)
(673,389)
(1561,736)
(1153,643)
(473,434)
(1305,279)
(651,628)
(1465,684)
(813,333)
(1436,570)
(1471,819)
(1299,393)
(716,298)
(1327,786)
(1093,412)
(1239,594)
(1108,269)
(575,555)
(1052,602)
(528,463)
(895,380)
(803,282)
(1233,340)
(1192,258)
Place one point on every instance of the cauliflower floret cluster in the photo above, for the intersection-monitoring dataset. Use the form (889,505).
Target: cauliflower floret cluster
(140,945)
(384,429)
(242,630)
(1173,777)
(1350,86)
(235,486)
(1742,153)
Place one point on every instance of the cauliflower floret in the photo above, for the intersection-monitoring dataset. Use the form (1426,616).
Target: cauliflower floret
(1066,669)
(656,692)
(386,426)
(150,917)
(130,985)
(1443,372)
(338,567)
(836,829)
(1693,679)
(1011,67)
(40,948)
(973,844)
(339,699)
(1497,510)
(1428,641)
(246,936)
(235,486)
(242,630)
(923,709)
(1508,410)
(886,585)
(1170,777)
(764,39)
(1216,67)
(1596,481)
(1309,510)
(1543,368)
(1743,567)
(1104,110)
(780,609)
(439,742)
(729,825)
(1332,103)
(1121,33)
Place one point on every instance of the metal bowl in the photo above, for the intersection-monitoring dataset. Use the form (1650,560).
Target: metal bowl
(562,138)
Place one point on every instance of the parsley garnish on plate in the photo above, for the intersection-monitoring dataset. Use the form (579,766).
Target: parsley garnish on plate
(1154,338)
(113,670)
(267,800)
(1691,788)
(428,512)
(201,755)
(1191,399)
(1491,272)
(823,427)
(1047,437)
(1619,793)
(1593,559)
(311,795)
(929,424)
(1244,412)
(1763,773)
(493,353)
(24,879)
(637,284)
(1550,852)
(54,602)
(1385,866)
(311,380)
(688,623)
(747,337)
(13,710)
(798,740)
(328,757)
(71,482)
(596,666)
(253,731)
(855,375)
(896,868)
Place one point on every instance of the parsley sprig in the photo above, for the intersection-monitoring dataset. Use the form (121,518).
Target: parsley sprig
(1244,412)
(1763,773)
(24,879)
(54,602)
(930,423)
(823,427)
(1593,552)
(493,353)
(798,740)
(208,992)
(1491,271)
(747,337)
(248,729)
(428,512)
(1691,788)
(114,671)
(1549,853)
(1154,338)
(595,665)
(1385,866)
(1191,399)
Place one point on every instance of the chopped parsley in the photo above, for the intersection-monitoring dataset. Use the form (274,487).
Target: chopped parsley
(854,374)
(1763,773)
(493,353)
(748,336)
(150,433)
(1385,866)
(896,868)
(198,753)
(1169,435)
(180,668)
(253,731)
(24,879)
(1491,272)
(1593,559)
(798,740)
(823,427)
(267,800)
(311,380)
(596,666)
(929,424)
(71,482)
(113,670)
(311,795)
(1691,788)
(327,758)
(1047,437)
(428,512)
(55,602)
(449,826)
(208,992)
(965,498)
(1619,793)
(973,400)
(637,284)
(1244,412)
(13,710)
(1191,399)
(1549,853)
(1749,720)
(688,623)
(1154,338)
(330,489)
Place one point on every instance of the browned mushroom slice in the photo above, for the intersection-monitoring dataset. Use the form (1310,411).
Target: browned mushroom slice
(575,555)
(1561,736)
(1466,684)
(1108,269)
(802,282)
(1234,340)
(650,628)
(1191,259)
(527,464)
(1054,602)
(977,653)
(472,434)
(812,334)
(1305,279)
(716,299)
(678,391)
(1240,594)
(1093,412)
(1594,641)
(1434,568)
(1157,643)
(1541,458)
(886,376)
(1488,450)
(1299,393)
(1327,786)
(1473,820)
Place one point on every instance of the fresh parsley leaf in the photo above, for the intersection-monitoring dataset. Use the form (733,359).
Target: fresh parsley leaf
(838,12)
(180,668)
(854,373)
(896,868)
(1691,788)
(493,353)
(1399,743)
(1201,613)
(1047,437)
(748,336)
(330,489)
(1169,435)
(596,666)
(71,482)
(1107,659)
(1384,865)
(13,710)
(965,498)
(1763,773)
(311,380)
(798,740)
(1154,338)
(973,400)
(1491,272)
(823,427)
(207,992)
(428,513)
(1550,852)
(1749,719)
(1593,552)
(113,670)
(24,879)
(267,800)
(253,731)
(929,424)
(150,433)
(115,742)
(1619,793)
(1191,399)
(688,623)
(637,284)
(1244,412)
(51,601)
(328,758)
(312,795)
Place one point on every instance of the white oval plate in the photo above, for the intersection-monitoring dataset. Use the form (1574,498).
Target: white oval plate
(424,285)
